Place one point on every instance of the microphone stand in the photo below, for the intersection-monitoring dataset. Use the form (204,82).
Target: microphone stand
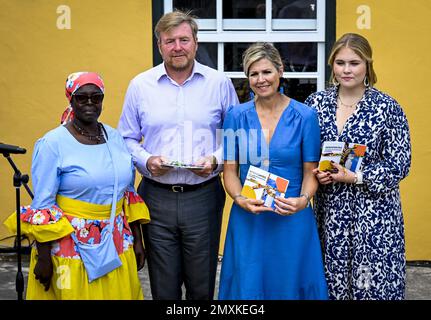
(18,180)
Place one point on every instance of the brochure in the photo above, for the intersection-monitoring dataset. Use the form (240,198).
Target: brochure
(263,185)
(349,155)
(354,155)
(178,164)
(331,151)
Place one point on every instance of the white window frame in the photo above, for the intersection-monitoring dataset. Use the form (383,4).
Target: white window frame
(265,30)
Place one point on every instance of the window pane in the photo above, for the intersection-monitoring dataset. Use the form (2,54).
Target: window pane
(233,55)
(207,54)
(298,56)
(203,9)
(242,89)
(294,9)
(243,9)
(298,89)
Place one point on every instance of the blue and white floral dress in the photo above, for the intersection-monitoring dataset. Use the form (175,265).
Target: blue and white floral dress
(361,226)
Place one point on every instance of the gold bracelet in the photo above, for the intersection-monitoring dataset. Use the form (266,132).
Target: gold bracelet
(307,196)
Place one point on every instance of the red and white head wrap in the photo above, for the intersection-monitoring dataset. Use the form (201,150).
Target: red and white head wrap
(73,82)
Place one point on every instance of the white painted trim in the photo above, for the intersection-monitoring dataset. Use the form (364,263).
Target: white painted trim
(320,15)
(244,24)
(167,5)
(219,15)
(220,56)
(294,24)
(287,75)
(207,24)
(246,36)
(268,15)
(321,64)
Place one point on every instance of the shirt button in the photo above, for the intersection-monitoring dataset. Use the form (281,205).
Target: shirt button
(266,163)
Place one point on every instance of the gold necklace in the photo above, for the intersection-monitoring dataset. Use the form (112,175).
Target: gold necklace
(92,137)
(348,105)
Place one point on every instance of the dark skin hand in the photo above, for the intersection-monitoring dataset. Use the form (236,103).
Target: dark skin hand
(43,270)
(138,246)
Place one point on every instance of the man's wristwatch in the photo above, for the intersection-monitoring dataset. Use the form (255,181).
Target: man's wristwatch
(307,196)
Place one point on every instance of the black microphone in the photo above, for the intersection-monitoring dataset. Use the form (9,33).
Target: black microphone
(7,148)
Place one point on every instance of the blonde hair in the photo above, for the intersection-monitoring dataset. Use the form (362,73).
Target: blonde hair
(173,19)
(258,51)
(361,47)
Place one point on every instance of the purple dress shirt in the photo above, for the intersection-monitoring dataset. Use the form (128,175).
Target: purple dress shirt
(180,122)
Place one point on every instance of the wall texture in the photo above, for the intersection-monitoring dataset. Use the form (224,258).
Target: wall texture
(399,34)
(38,51)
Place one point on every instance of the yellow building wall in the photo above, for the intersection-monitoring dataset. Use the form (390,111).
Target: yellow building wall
(37,52)
(399,33)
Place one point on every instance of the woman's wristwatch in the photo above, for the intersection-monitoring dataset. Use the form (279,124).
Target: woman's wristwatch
(359,178)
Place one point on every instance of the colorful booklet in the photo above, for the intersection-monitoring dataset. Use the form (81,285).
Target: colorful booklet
(263,185)
(349,155)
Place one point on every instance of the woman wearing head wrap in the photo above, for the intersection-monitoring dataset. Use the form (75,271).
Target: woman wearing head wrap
(73,179)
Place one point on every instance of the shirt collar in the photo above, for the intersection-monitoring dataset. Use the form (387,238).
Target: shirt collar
(198,68)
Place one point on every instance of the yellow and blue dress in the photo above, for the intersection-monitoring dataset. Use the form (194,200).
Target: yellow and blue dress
(73,185)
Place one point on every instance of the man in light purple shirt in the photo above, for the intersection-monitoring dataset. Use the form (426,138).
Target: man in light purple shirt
(176,108)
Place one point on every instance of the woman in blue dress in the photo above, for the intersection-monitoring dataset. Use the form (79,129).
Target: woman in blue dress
(359,213)
(271,254)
